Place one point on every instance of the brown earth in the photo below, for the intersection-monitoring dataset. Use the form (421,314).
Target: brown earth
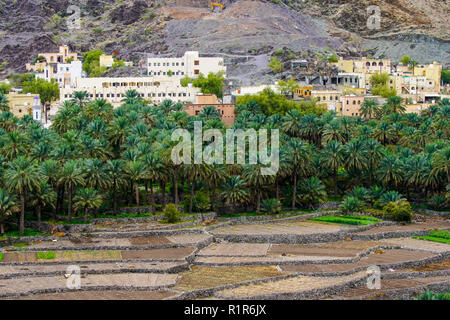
(101,295)
(386,257)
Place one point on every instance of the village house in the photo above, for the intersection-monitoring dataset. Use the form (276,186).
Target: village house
(155,89)
(190,64)
(21,104)
(205,100)
(63,56)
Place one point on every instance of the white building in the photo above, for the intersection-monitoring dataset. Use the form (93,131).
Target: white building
(65,74)
(37,109)
(156,89)
(190,65)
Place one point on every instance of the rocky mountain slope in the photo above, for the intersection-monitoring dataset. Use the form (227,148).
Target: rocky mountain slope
(246,32)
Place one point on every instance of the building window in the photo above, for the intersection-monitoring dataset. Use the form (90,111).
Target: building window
(196,63)
(196,71)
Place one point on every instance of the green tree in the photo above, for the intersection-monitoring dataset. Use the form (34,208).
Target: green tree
(87,198)
(234,191)
(4,103)
(7,208)
(72,175)
(48,91)
(332,158)
(23,175)
(41,197)
(275,64)
(212,84)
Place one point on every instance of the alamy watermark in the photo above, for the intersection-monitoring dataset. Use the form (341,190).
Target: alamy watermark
(236,141)
(374,277)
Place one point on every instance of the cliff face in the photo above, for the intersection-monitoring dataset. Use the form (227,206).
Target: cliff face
(245,28)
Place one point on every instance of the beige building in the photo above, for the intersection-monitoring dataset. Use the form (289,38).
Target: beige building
(156,89)
(351,105)
(21,104)
(106,60)
(202,101)
(62,56)
(364,65)
(330,98)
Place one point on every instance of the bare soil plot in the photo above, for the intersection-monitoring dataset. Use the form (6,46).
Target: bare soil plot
(139,241)
(101,295)
(336,249)
(299,228)
(170,253)
(290,285)
(209,277)
(429,224)
(19,270)
(379,257)
(390,284)
(443,265)
(235,249)
(131,280)
(417,244)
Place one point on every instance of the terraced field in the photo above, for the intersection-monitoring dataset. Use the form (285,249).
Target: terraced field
(284,258)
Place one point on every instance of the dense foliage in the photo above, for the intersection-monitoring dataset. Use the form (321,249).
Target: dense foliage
(95,157)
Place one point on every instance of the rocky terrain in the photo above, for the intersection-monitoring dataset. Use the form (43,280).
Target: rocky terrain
(246,32)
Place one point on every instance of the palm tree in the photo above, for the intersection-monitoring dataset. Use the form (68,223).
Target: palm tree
(299,159)
(115,170)
(85,199)
(413,64)
(7,207)
(291,122)
(153,168)
(312,191)
(234,192)
(23,175)
(72,175)
(15,143)
(441,163)
(132,97)
(390,171)
(369,108)
(209,113)
(194,172)
(80,98)
(374,154)
(394,105)
(332,157)
(355,155)
(215,175)
(136,171)
(254,178)
(44,196)
(332,131)
(4,103)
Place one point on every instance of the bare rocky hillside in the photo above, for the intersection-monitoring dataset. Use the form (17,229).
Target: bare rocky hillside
(246,32)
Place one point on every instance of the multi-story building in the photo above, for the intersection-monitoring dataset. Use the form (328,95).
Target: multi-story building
(364,65)
(202,101)
(63,56)
(330,98)
(255,89)
(156,89)
(190,64)
(21,104)
(303,92)
(431,72)
(65,74)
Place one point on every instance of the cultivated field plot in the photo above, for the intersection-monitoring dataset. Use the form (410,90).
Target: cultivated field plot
(126,263)
(296,228)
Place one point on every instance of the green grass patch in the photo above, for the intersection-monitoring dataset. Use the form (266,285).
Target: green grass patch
(352,220)
(441,236)
(47,255)
(16,234)
(67,222)
(1,257)
(430,295)
(20,245)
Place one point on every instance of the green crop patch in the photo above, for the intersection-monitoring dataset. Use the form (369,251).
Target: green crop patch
(48,255)
(352,220)
(441,236)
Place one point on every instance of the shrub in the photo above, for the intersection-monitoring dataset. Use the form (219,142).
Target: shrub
(389,196)
(48,255)
(399,211)
(171,213)
(351,204)
(438,202)
(430,295)
(276,65)
(271,206)
(201,202)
